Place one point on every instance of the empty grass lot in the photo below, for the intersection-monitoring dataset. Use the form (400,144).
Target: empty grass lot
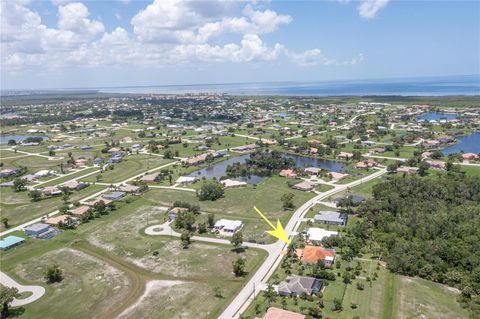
(130,166)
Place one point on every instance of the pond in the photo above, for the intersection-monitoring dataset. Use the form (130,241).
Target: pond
(219,169)
(17,138)
(436,116)
(468,144)
(303,161)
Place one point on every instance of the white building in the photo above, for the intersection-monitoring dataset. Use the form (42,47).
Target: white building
(228,226)
(316,235)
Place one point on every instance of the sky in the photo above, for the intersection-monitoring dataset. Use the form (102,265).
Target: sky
(72,44)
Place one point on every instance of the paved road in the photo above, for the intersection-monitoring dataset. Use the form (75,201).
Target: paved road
(37,291)
(260,278)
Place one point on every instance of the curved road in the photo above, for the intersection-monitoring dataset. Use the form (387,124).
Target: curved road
(37,291)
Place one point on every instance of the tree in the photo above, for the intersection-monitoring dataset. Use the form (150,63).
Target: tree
(211,220)
(337,304)
(19,184)
(239,266)
(7,295)
(202,228)
(270,294)
(360,285)
(35,195)
(168,153)
(185,239)
(5,222)
(423,168)
(53,273)
(287,201)
(210,190)
(217,292)
(237,240)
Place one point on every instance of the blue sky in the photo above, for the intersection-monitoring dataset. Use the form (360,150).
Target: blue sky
(61,43)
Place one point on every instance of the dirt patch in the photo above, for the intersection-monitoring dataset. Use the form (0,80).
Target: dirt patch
(151,290)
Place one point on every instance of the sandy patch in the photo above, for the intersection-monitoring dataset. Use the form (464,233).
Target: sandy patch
(151,289)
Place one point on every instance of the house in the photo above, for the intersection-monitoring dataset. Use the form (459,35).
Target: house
(313,254)
(51,191)
(331,218)
(437,165)
(335,176)
(376,150)
(173,213)
(470,156)
(97,161)
(244,148)
(228,226)
(152,178)
(314,142)
(85,147)
(201,148)
(316,235)
(298,285)
(289,173)
(98,201)
(366,164)
(60,220)
(29,178)
(277,313)
(231,183)
(312,170)
(40,231)
(74,185)
(114,196)
(345,155)
(195,160)
(354,200)
(7,184)
(130,189)
(80,211)
(81,162)
(44,173)
(186,180)
(10,241)
(407,170)
(304,186)
(115,159)
(7,172)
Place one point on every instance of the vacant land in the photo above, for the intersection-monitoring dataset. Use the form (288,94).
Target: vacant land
(419,298)
(130,166)
(89,287)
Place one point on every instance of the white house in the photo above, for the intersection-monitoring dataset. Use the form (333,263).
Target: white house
(228,226)
(316,235)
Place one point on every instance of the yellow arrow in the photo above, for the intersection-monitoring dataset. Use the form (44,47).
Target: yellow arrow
(278,231)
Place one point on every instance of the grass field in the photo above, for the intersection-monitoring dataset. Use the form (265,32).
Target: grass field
(239,202)
(33,163)
(130,166)
(18,207)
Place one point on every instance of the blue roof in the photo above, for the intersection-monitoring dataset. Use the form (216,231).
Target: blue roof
(10,241)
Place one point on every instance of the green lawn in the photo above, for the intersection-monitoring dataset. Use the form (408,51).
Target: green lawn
(18,207)
(239,202)
(130,166)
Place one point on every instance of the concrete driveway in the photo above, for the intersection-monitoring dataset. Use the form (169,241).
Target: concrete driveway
(37,291)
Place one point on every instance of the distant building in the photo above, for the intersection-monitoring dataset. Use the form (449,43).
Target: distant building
(10,241)
(231,183)
(304,186)
(331,218)
(316,235)
(40,231)
(228,226)
(113,196)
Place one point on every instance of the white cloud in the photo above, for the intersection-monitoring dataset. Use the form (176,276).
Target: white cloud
(74,17)
(164,33)
(368,9)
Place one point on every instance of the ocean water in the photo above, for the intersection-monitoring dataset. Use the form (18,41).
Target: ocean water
(432,86)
